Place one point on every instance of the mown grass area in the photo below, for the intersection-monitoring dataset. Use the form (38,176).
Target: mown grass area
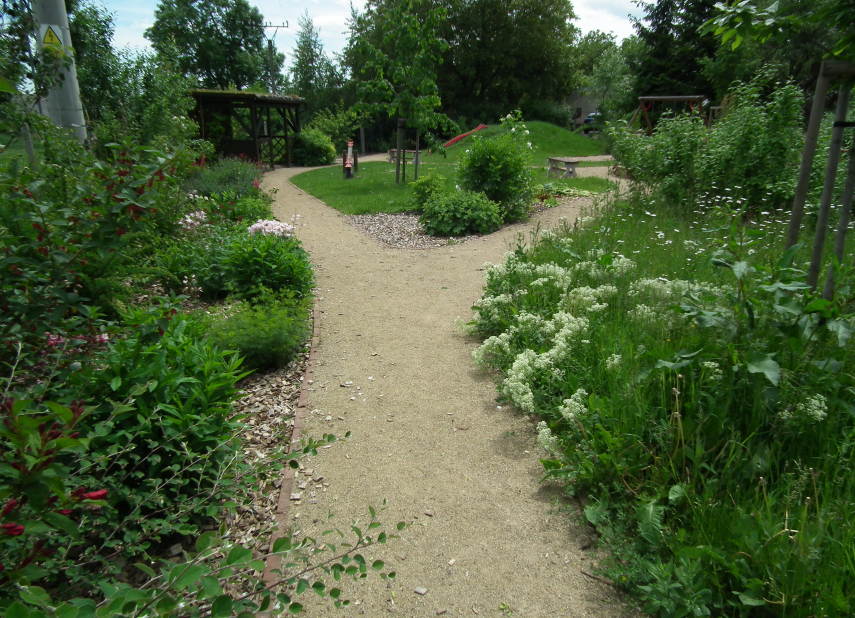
(373,189)
(693,388)
(547,140)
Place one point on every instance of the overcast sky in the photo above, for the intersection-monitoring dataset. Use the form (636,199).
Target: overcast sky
(330,16)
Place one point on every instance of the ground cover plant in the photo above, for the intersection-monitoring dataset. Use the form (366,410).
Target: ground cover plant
(689,383)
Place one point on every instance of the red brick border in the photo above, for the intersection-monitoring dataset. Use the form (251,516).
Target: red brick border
(281,517)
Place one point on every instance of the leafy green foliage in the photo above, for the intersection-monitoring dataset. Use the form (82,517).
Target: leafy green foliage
(402,71)
(313,147)
(228,178)
(316,76)
(220,42)
(460,213)
(266,334)
(697,392)
(252,264)
(498,167)
(751,154)
(426,188)
(339,124)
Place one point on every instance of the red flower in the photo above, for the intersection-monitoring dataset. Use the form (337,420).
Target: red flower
(121,231)
(9,506)
(12,529)
(65,512)
(95,495)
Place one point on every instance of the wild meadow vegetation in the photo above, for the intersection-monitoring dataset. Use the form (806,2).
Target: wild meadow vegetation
(685,379)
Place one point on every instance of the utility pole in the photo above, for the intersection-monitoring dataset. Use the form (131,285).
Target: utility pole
(63,101)
(270,53)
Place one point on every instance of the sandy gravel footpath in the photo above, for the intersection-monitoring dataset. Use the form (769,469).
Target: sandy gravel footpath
(428,435)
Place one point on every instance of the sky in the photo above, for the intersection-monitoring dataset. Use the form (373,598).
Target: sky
(330,16)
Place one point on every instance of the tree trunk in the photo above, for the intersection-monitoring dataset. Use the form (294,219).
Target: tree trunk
(402,123)
(28,144)
(808,153)
(828,188)
(417,157)
(842,225)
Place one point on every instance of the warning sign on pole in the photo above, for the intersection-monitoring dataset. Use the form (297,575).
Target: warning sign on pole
(50,35)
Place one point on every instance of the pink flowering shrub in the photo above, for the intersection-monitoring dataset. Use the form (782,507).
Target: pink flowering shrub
(271,228)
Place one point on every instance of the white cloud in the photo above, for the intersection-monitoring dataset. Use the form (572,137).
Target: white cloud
(606,15)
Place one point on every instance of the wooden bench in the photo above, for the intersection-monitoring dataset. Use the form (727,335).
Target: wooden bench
(563,166)
(409,155)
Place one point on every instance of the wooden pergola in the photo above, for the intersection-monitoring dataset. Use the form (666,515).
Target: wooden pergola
(645,103)
(215,110)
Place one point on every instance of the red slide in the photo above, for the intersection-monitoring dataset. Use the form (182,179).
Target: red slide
(460,137)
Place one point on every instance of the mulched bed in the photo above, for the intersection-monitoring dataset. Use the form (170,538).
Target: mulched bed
(403,230)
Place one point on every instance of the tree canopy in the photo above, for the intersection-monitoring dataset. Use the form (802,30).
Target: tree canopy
(220,42)
(499,53)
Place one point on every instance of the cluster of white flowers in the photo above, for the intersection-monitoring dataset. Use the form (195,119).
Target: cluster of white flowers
(613,361)
(585,298)
(592,269)
(271,227)
(575,406)
(643,314)
(660,289)
(622,265)
(545,439)
(517,385)
(194,219)
(492,350)
(814,407)
(568,329)
(713,372)
(493,307)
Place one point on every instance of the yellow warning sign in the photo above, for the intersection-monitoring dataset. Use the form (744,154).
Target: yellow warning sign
(50,37)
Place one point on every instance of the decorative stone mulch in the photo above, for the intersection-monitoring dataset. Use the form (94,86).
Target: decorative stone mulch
(404,231)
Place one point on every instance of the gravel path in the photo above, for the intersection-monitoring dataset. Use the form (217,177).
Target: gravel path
(428,435)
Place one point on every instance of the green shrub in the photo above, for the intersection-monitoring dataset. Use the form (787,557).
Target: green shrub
(229,260)
(499,168)
(339,124)
(425,188)
(460,213)
(266,334)
(751,155)
(254,263)
(312,147)
(232,176)
(166,450)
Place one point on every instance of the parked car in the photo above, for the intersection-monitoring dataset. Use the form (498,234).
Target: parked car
(592,122)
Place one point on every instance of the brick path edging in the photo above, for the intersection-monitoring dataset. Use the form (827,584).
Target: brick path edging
(282,508)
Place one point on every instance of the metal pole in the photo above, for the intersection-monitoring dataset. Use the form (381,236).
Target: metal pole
(402,123)
(362,138)
(842,225)
(63,100)
(270,56)
(808,153)
(828,187)
(28,144)
(416,168)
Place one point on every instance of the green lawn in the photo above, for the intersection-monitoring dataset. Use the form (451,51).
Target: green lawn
(16,149)
(373,189)
(548,140)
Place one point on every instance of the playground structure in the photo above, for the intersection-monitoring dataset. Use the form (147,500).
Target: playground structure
(645,104)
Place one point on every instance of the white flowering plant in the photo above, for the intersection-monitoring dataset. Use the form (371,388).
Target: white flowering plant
(685,361)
